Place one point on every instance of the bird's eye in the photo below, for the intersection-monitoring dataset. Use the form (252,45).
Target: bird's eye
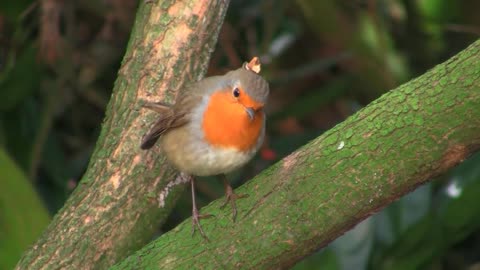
(236,92)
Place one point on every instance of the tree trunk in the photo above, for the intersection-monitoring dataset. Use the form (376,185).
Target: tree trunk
(398,142)
(115,209)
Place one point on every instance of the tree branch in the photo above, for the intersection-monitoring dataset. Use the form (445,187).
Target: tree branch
(115,209)
(398,142)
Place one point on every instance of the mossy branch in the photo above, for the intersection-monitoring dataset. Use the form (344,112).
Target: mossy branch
(115,209)
(400,141)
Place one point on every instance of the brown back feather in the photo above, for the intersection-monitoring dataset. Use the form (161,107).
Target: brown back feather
(172,117)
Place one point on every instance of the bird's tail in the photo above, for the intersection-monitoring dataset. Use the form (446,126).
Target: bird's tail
(162,124)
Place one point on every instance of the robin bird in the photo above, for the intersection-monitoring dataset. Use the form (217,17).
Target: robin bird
(215,126)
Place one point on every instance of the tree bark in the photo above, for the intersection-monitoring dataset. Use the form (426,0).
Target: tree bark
(398,142)
(115,209)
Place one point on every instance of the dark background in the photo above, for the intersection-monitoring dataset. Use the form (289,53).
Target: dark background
(324,61)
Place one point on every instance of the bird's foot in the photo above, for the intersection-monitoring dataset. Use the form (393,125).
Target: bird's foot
(196,216)
(231,196)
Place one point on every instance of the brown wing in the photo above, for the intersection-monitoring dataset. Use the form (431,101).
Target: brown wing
(170,117)
(161,125)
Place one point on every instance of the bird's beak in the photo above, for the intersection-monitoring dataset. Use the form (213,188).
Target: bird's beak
(251,112)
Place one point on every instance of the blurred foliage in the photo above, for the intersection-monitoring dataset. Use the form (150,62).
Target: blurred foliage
(22,214)
(324,59)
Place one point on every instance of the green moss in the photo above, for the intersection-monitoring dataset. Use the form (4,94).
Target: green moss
(418,121)
(193,21)
(164,21)
(469,81)
(387,130)
(330,141)
(454,77)
(413,101)
(107,200)
(348,133)
(407,89)
(399,124)
(444,81)
(409,119)
(166,4)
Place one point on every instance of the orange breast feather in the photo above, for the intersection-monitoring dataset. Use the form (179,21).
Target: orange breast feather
(226,124)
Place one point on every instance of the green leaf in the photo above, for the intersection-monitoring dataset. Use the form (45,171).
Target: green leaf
(22,214)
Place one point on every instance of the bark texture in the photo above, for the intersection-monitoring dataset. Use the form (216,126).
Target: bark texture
(115,209)
(398,142)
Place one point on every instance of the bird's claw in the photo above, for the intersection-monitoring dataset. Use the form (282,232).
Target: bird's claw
(231,197)
(196,216)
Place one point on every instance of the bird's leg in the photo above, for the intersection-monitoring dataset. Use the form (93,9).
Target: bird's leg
(196,216)
(158,107)
(231,196)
